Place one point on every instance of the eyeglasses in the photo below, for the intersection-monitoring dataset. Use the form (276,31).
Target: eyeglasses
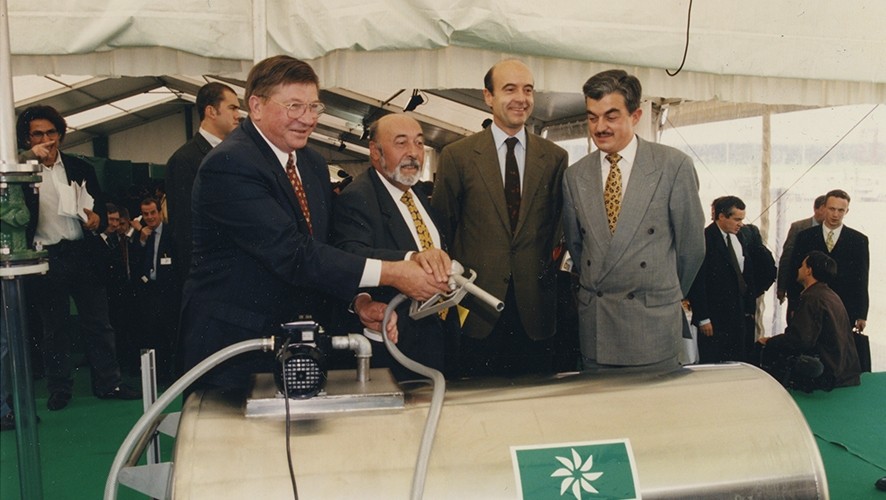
(39,134)
(297,109)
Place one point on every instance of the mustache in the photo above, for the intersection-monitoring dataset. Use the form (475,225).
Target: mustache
(411,162)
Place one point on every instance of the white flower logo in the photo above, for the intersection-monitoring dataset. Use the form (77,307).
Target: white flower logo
(575,475)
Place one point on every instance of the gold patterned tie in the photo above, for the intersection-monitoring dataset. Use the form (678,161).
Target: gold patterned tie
(299,191)
(829,241)
(612,191)
(424,236)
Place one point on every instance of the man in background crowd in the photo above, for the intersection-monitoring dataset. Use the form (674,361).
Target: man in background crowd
(219,110)
(785,271)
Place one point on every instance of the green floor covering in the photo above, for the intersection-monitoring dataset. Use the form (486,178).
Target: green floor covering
(79,442)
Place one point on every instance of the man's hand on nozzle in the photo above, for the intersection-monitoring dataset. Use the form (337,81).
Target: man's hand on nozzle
(435,261)
(412,280)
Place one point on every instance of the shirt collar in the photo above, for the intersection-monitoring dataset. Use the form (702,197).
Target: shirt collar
(211,139)
(282,157)
(499,136)
(627,154)
(395,192)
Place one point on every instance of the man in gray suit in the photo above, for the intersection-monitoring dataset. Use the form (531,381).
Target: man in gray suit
(634,227)
(499,194)
(785,275)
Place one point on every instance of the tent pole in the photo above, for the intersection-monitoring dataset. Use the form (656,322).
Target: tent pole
(13,300)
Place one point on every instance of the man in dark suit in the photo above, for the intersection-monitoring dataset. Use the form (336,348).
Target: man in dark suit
(385,214)
(723,296)
(849,248)
(818,328)
(261,205)
(74,271)
(114,250)
(632,219)
(499,192)
(785,272)
(219,110)
(153,256)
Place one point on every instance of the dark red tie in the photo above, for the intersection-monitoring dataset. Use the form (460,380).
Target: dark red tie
(299,191)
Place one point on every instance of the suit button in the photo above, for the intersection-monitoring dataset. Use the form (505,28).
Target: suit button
(651,230)
(583,231)
(589,262)
(643,264)
(506,280)
(599,294)
(631,296)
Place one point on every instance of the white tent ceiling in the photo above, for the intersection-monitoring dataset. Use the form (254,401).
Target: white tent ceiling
(783,54)
(806,52)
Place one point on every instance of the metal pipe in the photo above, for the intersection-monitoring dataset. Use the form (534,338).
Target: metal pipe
(147,422)
(7,103)
(14,324)
(30,480)
(362,350)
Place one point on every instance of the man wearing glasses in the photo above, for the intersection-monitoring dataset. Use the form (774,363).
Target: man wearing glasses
(261,204)
(64,230)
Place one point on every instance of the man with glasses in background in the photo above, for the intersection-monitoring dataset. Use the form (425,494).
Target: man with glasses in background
(67,232)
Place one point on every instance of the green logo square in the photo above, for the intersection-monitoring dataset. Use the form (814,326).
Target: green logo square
(580,471)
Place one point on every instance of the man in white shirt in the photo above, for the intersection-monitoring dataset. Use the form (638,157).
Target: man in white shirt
(74,271)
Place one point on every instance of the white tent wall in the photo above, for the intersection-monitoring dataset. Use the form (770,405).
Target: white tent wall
(787,52)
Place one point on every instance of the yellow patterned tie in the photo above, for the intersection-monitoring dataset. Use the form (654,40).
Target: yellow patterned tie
(829,241)
(612,191)
(424,236)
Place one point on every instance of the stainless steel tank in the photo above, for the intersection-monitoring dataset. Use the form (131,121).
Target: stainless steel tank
(724,431)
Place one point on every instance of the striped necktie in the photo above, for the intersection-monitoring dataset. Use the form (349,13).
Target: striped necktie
(299,191)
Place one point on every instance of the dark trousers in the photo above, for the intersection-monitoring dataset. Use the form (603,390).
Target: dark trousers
(157,320)
(508,351)
(72,275)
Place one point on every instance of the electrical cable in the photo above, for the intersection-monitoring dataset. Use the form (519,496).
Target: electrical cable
(788,189)
(288,419)
(686,47)
(820,158)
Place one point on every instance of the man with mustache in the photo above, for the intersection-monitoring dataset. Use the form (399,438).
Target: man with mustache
(634,227)
(385,214)
(499,192)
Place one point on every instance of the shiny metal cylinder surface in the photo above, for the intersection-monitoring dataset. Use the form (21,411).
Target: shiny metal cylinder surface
(724,431)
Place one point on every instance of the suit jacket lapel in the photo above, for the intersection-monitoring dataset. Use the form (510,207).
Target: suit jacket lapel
(490,171)
(590,188)
(272,164)
(318,199)
(532,175)
(397,228)
(635,202)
